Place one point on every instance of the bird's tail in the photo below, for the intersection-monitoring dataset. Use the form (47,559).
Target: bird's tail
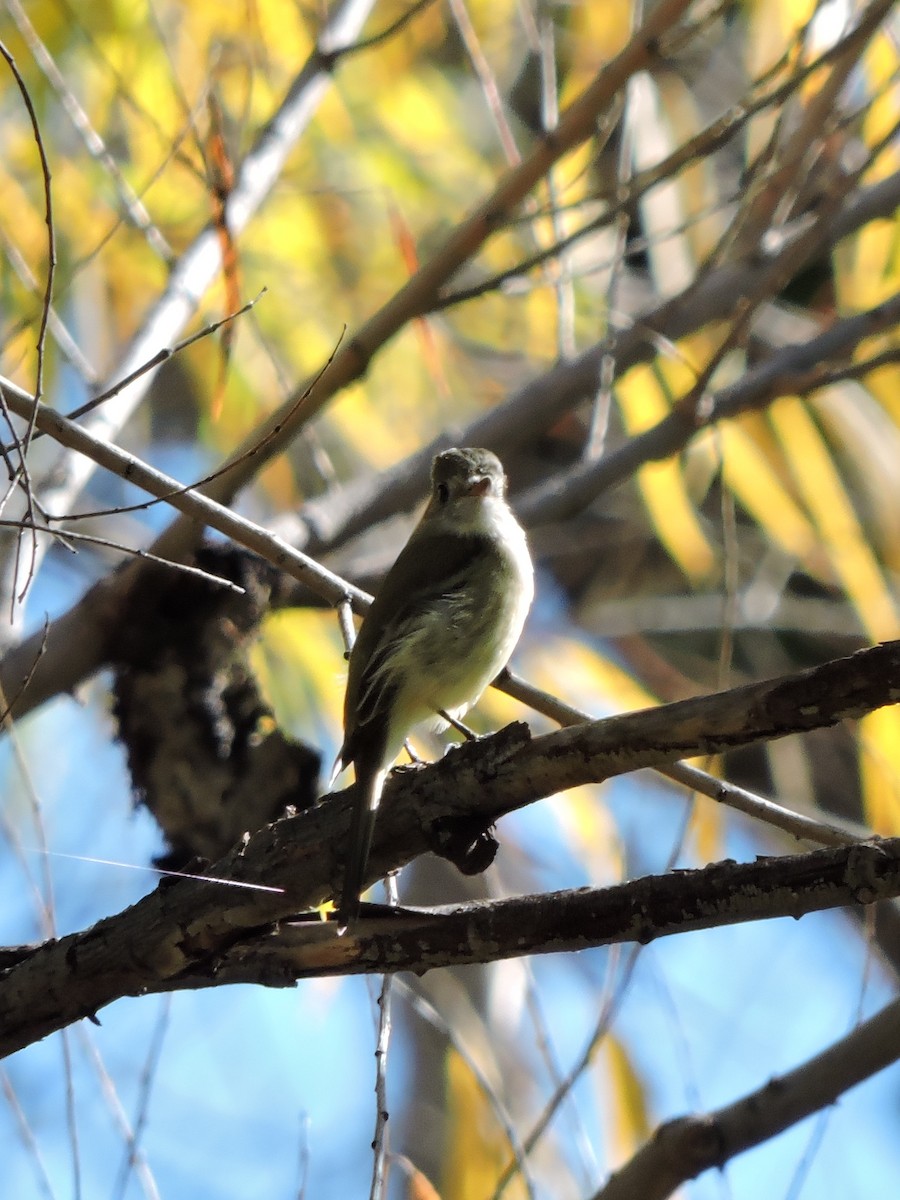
(362,824)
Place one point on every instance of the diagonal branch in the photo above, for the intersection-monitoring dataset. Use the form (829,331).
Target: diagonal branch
(795,368)
(200,509)
(641,910)
(416,298)
(682,1149)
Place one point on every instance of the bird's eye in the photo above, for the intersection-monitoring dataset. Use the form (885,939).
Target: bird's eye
(443,493)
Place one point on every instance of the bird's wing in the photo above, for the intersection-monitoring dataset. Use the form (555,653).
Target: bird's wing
(384,632)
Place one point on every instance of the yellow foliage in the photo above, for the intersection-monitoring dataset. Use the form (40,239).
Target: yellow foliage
(867,272)
(881,63)
(643,403)
(596,34)
(476,1150)
(882,385)
(819,483)
(622,1100)
(879,762)
(300,668)
(773,30)
(867,445)
(751,476)
(566,666)
(771,26)
(380,431)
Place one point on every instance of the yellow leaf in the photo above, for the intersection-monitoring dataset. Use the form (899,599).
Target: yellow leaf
(882,385)
(643,403)
(598,31)
(881,63)
(772,26)
(867,267)
(299,663)
(879,763)
(866,270)
(753,481)
(375,431)
(868,440)
(623,1102)
(591,682)
(827,502)
(477,1150)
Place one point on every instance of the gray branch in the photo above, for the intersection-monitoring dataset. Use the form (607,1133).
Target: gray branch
(681,1149)
(188,930)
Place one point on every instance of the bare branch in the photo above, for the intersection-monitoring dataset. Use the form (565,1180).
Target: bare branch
(417,296)
(131,204)
(189,929)
(682,1149)
(796,368)
(797,824)
(199,507)
(187,942)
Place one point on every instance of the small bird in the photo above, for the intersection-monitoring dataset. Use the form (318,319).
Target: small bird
(441,627)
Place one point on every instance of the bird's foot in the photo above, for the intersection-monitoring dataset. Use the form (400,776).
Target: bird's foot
(469,734)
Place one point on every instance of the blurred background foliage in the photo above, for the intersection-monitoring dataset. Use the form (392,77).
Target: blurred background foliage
(767,542)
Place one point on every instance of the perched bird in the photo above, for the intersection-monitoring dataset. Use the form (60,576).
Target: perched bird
(441,628)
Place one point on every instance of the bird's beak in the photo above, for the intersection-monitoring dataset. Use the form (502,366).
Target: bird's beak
(479,486)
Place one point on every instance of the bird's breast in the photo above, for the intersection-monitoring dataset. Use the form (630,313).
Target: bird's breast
(465,637)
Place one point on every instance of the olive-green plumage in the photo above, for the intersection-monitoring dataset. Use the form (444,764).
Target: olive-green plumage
(442,626)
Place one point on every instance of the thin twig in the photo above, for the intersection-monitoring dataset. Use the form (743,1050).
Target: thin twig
(162,356)
(27,1135)
(201,261)
(380,1137)
(800,826)
(427,1011)
(45,315)
(608,1009)
(250,452)
(388,32)
(200,508)
(133,1155)
(65,535)
(116,1109)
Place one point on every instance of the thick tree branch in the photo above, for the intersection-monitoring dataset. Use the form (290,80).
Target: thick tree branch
(642,910)
(187,928)
(799,825)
